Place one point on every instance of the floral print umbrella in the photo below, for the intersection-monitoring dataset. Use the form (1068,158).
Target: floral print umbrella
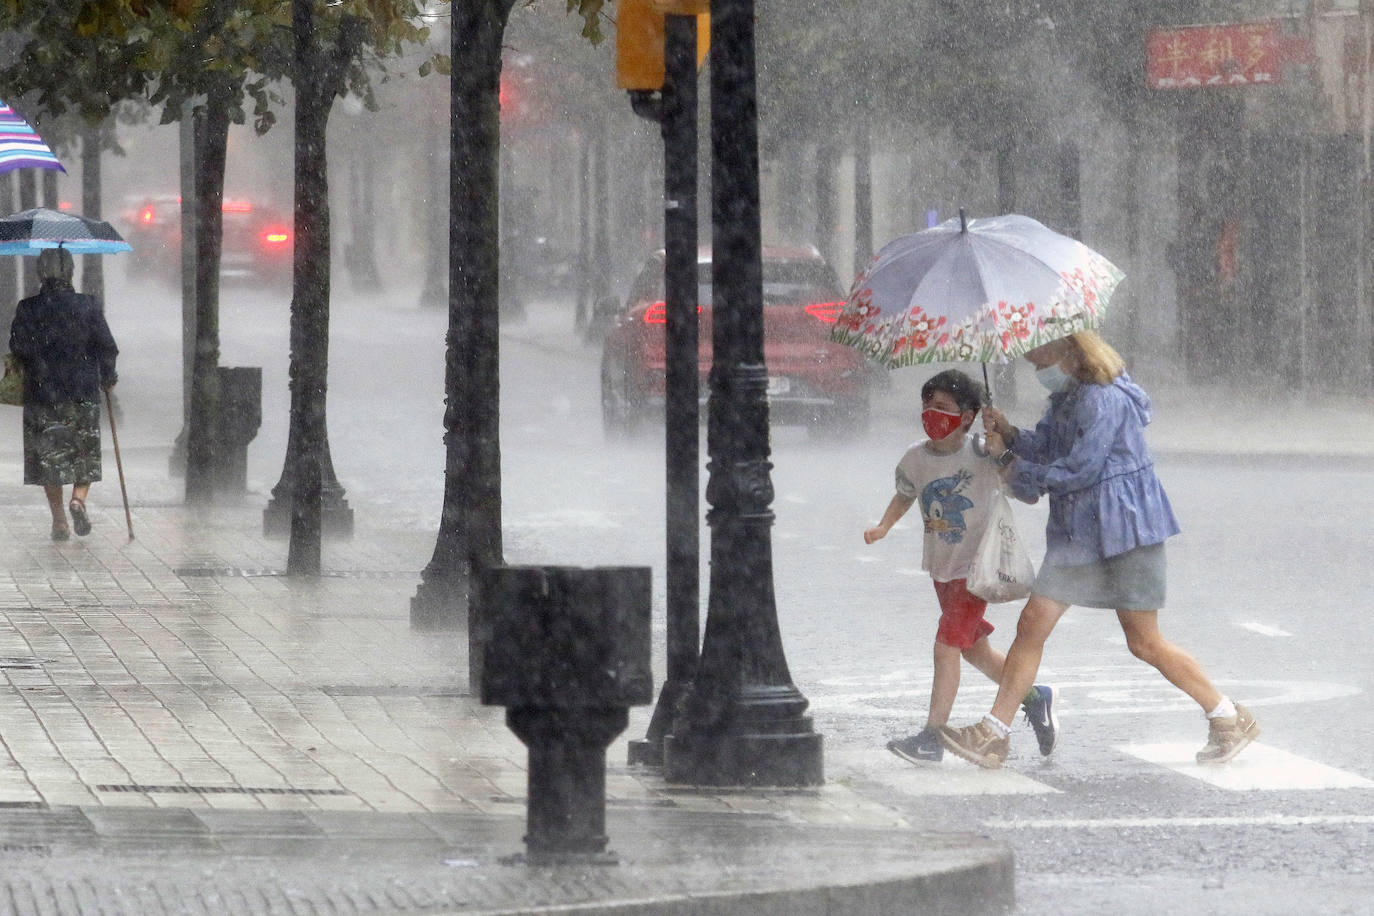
(979,290)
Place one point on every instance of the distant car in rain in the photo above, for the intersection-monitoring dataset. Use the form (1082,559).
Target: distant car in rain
(257,241)
(811,381)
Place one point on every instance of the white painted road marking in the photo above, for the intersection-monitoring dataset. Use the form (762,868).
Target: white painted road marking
(873,695)
(950,776)
(1263,629)
(1258,767)
(1116,823)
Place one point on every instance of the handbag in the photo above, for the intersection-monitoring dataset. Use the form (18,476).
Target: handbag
(1002,569)
(12,385)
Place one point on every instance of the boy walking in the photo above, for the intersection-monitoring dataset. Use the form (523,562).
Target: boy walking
(955,484)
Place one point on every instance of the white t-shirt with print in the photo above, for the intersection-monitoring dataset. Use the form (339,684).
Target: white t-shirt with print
(952,493)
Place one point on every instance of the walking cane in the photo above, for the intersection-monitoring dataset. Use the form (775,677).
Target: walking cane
(119,464)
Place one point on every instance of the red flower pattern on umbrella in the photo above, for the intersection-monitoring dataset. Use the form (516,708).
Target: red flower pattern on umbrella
(977,308)
(859,310)
(1016,319)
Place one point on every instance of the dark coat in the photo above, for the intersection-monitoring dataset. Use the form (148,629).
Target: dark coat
(65,345)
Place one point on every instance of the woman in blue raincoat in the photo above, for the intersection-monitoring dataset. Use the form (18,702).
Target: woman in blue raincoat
(1109,518)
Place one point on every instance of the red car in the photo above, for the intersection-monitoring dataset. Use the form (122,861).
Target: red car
(257,241)
(811,380)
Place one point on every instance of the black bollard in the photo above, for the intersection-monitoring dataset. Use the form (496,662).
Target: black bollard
(567,655)
(240,415)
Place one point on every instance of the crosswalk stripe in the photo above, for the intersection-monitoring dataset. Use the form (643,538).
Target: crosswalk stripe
(1115,823)
(950,776)
(1258,767)
(1263,629)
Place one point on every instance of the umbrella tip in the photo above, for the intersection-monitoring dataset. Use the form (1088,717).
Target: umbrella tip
(963,220)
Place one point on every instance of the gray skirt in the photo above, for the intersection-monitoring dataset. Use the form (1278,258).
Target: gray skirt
(1131,581)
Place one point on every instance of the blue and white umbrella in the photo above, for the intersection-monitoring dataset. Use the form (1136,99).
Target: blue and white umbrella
(20,145)
(31,231)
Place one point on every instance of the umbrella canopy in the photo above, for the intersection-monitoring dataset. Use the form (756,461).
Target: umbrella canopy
(981,290)
(31,231)
(20,145)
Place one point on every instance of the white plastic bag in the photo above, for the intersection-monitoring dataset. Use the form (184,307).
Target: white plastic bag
(1002,570)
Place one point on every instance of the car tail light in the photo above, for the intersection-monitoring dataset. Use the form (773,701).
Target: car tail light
(276,237)
(236,206)
(145,216)
(825,311)
(657,313)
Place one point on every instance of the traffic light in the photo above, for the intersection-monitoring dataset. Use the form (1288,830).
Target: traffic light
(639,39)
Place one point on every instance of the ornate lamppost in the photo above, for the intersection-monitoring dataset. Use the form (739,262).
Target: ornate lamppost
(743,721)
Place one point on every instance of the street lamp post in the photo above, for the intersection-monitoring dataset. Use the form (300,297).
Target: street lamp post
(743,721)
(677,115)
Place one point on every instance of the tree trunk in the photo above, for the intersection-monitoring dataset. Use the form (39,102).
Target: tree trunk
(863,192)
(362,245)
(470,526)
(28,199)
(8,273)
(92,265)
(201,442)
(309,361)
(825,201)
(435,291)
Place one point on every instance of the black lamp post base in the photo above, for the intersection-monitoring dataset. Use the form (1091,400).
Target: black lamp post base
(560,859)
(336,518)
(440,603)
(645,753)
(794,758)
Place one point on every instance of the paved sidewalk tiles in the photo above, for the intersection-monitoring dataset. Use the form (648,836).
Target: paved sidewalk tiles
(221,729)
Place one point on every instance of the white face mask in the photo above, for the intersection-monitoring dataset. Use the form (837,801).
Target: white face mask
(1053,378)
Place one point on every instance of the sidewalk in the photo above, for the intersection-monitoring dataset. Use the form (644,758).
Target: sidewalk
(187,730)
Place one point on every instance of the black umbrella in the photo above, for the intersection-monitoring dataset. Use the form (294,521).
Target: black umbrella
(31,231)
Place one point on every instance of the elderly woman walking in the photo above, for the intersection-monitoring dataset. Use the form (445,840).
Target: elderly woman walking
(1104,540)
(68,355)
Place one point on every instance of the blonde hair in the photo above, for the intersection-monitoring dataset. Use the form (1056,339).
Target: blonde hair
(1097,361)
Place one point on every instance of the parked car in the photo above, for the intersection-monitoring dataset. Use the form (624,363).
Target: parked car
(257,241)
(811,381)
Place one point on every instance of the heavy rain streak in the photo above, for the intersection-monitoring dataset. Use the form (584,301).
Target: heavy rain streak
(469,331)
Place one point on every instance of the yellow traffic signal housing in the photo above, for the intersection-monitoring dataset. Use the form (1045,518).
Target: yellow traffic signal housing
(639,32)
(682,7)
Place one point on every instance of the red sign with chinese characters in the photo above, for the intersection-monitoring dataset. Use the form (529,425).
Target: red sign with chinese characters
(1197,57)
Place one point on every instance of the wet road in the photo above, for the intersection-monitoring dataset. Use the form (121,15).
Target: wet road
(1267,588)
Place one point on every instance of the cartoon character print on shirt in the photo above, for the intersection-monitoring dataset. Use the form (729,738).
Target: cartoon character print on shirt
(943,505)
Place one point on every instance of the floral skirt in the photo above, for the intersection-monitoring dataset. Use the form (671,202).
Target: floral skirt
(61,443)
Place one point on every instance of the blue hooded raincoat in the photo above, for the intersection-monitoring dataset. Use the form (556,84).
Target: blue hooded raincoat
(1089,454)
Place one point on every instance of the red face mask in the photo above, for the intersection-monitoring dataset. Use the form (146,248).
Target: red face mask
(939,424)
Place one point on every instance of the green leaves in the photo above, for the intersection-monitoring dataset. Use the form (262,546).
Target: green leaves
(590,11)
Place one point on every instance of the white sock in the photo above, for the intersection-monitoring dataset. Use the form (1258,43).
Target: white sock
(1225,709)
(1003,730)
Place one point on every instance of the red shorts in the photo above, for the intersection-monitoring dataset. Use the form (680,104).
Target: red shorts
(961,615)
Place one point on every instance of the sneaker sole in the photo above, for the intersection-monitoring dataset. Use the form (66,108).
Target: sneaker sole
(1054,724)
(1054,742)
(913,759)
(986,761)
(1246,739)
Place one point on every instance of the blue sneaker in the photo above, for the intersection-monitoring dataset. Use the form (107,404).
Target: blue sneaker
(922,747)
(1043,721)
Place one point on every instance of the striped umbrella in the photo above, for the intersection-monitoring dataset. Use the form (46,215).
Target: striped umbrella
(20,145)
